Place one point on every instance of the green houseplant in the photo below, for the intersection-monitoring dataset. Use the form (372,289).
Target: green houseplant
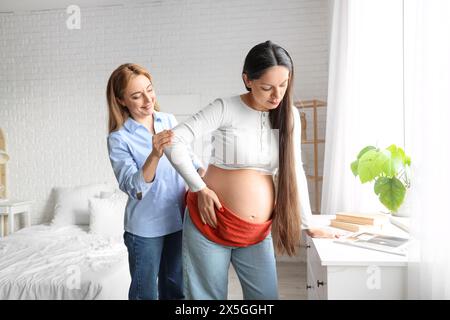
(389,168)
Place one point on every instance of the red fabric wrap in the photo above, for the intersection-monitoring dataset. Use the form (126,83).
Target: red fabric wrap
(231,230)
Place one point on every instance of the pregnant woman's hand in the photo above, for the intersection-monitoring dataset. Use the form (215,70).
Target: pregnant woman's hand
(161,140)
(207,200)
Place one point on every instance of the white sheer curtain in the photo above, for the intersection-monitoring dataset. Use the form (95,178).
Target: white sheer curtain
(365,99)
(427,97)
(390,83)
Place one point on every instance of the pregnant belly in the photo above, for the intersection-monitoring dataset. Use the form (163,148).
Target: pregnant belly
(248,193)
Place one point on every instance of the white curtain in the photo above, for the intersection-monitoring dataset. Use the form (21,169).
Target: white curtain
(427,97)
(390,83)
(365,100)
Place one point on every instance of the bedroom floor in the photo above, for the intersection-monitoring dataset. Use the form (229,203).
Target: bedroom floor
(291,282)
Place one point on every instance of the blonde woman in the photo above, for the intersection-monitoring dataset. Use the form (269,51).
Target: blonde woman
(138,132)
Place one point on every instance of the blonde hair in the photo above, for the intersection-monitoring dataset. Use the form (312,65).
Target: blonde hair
(117,83)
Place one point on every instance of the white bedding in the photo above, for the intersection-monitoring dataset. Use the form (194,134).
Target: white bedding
(45,262)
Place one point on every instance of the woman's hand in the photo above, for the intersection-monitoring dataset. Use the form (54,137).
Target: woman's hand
(323,233)
(207,199)
(161,140)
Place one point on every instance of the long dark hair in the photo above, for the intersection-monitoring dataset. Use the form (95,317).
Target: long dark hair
(286,215)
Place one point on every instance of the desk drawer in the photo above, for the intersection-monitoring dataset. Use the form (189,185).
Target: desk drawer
(317,274)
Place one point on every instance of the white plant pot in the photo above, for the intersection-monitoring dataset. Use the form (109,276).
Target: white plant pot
(405,208)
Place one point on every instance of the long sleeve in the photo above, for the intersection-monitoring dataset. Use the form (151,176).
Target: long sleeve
(302,184)
(203,122)
(128,175)
(194,158)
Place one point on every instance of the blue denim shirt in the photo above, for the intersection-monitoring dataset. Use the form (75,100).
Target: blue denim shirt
(153,209)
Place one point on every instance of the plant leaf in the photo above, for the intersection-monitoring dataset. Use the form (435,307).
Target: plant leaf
(398,160)
(371,165)
(390,191)
(386,166)
(364,150)
(354,167)
(407,160)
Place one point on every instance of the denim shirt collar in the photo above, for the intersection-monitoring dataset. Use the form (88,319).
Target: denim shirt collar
(131,125)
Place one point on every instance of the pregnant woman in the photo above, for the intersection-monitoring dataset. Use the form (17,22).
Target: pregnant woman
(254,187)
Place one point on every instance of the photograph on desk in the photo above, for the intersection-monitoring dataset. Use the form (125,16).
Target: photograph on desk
(376,241)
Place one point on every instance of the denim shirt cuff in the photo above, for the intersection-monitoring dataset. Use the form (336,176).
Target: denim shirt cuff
(142,187)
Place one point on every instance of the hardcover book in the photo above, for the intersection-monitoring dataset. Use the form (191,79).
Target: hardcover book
(361,218)
(354,227)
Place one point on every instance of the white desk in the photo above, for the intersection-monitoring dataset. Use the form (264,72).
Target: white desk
(336,271)
(11,208)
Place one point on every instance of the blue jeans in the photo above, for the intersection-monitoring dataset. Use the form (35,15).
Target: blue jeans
(206,264)
(155,263)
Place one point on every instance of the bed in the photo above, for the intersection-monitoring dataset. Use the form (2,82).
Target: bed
(65,261)
(46,262)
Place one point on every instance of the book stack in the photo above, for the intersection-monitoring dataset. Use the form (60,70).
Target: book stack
(358,222)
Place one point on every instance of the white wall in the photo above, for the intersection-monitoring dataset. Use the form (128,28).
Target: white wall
(52,79)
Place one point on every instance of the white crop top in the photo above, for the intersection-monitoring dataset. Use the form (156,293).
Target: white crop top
(242,138)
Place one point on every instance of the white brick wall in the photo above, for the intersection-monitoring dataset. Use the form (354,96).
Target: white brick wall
(52,79)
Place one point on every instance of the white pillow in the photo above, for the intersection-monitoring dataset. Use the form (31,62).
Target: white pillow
(72,206)
(107,194)
(107,214)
